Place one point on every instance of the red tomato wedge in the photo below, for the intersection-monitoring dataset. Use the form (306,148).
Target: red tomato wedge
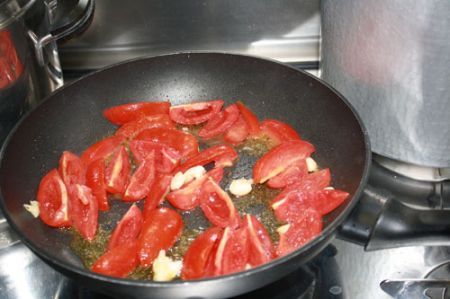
(221,122)
(127,229)
(83,211)
(291,175)
(134,127)
(327,201)
(299,232)
(195,113)
(167,158)
(216,174)
(217,205)
(221,155)
(128,112)
(297,197)
(120,261)
(72,169)
(278,131)
(53,199)
(250,118)
(95,179)
(281,158)
(186,144)
(261,249)
(158,191)
(117,173)
(238,132)
(188,197)
(101,149)
(314,181)
(199,253)
(141,180)
(160,231)
(233,251)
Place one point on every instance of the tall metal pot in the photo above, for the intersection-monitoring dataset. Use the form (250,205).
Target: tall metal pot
(29,61)
(391,60)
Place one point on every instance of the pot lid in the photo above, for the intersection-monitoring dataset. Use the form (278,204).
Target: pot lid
(12,9)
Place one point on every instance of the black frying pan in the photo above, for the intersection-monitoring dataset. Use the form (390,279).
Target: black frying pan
(71,119)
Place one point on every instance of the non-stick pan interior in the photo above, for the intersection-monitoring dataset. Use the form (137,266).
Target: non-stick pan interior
(71,119)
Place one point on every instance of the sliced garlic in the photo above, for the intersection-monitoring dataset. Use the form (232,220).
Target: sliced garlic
(33,208)
(283,229)
(241,187)
(278,203)
(177,181)
(311,164)
(194,173)
(164,268)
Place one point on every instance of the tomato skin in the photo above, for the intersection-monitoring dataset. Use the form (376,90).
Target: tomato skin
(122,114)
(83,211)
(95,179)
(280,158)
(238,132)
(117,173)
(278,131)
(160,231)
(101,149)
(221,155)
(250,118)
(120,261)
(167,158)
(220,122)
(127,229)
(300,232)
(141,180)
(261,249)
(188,197)
(199,253)
(53,199)
(186,144)
(291,175)
(293,199)
(158,191)
(72,169)
(235,252)
(195,113)
(218,206)
(134,127)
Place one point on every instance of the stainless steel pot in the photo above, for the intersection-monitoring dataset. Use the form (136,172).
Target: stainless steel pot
(29,61)
(391,60)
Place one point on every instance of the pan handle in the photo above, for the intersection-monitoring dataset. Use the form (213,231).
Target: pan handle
(381,220)
(66,18)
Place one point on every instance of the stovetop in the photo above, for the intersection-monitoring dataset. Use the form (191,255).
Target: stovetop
(343,270)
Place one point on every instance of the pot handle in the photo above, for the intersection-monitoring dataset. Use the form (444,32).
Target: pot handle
(66,18)
(381,221)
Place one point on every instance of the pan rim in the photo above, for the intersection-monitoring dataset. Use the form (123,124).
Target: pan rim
(327,232)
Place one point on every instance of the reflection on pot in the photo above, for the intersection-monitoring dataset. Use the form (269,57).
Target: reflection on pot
(11,67)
